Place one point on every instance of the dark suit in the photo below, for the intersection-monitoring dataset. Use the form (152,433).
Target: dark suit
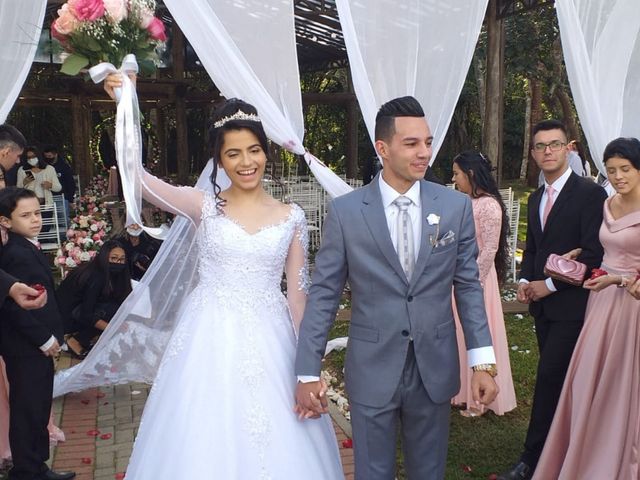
(573,222)
(29,371)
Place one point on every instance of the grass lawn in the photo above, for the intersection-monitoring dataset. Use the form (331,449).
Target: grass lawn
(489,444)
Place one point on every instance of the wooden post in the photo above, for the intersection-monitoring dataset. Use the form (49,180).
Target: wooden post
(493,129)
(352,140)
(80,134)
(182,144)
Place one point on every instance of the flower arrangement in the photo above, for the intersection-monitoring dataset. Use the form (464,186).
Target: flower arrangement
(95,31)
(89,226)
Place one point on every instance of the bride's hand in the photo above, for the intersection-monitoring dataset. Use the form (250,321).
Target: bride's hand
(114,80)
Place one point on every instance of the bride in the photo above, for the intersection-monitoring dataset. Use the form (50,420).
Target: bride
(222,402)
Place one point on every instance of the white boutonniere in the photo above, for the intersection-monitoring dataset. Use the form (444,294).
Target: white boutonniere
(433,219)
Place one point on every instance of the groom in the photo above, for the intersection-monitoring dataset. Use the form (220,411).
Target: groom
(402,244)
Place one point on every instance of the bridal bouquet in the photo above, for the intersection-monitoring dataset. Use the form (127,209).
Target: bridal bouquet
(96,31)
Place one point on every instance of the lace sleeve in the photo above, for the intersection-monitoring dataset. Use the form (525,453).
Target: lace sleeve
(52,176)
(297,268)
(488,219)
(185,201)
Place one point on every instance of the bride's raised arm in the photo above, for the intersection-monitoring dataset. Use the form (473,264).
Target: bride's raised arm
(297,269)
(184,201)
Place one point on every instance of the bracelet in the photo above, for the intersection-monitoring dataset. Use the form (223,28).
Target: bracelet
(623,281)
(490,368)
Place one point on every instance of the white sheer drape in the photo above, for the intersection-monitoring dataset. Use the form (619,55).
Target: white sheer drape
(248,48)
(600,41)
(20,24)
(414,47)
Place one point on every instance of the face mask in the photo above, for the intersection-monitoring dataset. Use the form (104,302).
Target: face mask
(117,267)
(33,161)
(134,233)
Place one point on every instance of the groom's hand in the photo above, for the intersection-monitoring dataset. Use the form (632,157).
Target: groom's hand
(311,401)
(483,388)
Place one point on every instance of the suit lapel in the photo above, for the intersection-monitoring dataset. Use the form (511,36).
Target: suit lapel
(430,204)
(534,214)
(376,221)
(33,250)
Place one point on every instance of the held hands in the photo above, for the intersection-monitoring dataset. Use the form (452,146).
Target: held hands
(483,388)
(311,401)
(114,80)
(46,185)
(532,291)
(27,297)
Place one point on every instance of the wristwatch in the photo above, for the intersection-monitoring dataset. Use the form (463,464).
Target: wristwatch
(490,368)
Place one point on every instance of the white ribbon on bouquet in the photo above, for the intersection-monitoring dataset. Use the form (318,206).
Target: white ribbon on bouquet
(128,140)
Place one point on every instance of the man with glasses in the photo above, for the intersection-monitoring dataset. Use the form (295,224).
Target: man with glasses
(565,214)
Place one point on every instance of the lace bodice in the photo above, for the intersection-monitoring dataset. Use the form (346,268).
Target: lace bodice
(487,216)
(236,264)
(240,265)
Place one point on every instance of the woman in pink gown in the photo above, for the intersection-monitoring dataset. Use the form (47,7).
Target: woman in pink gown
(596,428)
(472,175)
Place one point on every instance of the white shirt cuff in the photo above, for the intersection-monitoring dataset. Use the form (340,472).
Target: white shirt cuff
(481,355)
(523,280)
(550,285)
(48,344)
(308,378)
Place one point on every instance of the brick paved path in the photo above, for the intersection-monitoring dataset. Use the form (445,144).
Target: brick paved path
(100,426)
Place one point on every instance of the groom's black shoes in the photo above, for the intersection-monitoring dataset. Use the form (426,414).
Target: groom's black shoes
(51,475)
(520,471)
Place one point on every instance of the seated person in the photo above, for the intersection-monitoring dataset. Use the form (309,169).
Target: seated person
(91,294)
(141,250)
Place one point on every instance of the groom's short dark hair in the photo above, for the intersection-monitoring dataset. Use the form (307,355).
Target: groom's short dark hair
(398,107)
(11,136)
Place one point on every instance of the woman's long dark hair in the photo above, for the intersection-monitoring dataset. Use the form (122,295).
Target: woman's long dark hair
(42,164)
(116,286)
(216,134)
(478,169)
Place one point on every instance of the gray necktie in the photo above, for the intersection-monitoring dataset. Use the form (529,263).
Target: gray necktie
(404,232)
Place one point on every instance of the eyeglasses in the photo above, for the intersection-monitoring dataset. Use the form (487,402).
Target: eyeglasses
(553,146)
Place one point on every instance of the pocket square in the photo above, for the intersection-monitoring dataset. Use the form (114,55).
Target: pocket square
(446,239)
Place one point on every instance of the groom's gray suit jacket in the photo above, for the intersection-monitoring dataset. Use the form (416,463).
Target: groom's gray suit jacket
(387,310)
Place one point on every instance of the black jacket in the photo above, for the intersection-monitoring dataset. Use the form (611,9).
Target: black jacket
(24,331)
(574,222)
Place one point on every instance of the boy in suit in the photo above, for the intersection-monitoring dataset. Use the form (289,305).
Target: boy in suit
(29,339)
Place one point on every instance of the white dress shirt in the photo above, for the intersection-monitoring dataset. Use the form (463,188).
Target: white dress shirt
(389,195)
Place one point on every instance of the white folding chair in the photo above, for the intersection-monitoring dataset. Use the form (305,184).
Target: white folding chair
(49,237)
(514,219)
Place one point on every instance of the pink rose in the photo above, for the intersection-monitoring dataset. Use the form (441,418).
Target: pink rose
(146,17)
(116,10)
(96,237)
(66,22)
(87,10)
(156,30)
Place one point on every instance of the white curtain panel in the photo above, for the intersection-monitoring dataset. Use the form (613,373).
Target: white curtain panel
(20,24)
(248,48)
(600,41)
(411,47)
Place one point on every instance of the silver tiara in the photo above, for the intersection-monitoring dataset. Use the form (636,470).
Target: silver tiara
(239,115)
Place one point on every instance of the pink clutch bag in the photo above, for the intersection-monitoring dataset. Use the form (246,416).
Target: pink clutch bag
(569,271)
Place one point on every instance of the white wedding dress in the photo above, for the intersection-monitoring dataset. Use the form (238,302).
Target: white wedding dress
(221,406)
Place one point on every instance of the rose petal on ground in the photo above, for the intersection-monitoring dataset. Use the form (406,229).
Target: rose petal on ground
(348,443)
(106,436)
(93,433)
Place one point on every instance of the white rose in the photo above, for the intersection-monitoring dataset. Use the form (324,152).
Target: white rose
(116,10)
(85,257)
(69,246)
(94,228)
(70,263)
